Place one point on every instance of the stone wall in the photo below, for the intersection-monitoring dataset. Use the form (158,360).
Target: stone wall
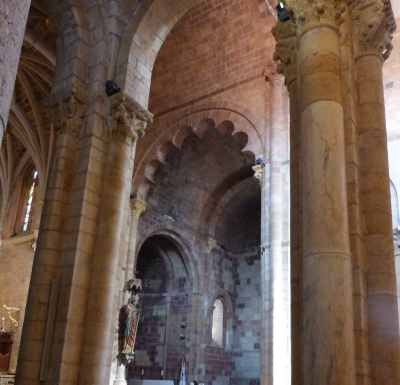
(16,258)
(192,180)
(247,325)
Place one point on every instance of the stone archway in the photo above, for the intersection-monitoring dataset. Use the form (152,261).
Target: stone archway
(167,306)
(141,43)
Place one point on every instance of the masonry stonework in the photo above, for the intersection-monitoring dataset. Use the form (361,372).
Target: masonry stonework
(13,18)
(158,181)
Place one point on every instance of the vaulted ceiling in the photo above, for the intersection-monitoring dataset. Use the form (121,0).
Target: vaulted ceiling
(29,137)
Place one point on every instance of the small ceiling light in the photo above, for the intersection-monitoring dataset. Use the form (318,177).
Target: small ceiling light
(282,11)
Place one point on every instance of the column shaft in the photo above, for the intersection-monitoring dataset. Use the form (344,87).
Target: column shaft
(327,307)
(276,265)
(295,230)
(102,307)
(383,326)
(128,264)
(138,206)
(13,18)
(35,359)
(129,121)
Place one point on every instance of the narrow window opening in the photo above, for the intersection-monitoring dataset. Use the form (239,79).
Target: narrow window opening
(29,202)
(217,331)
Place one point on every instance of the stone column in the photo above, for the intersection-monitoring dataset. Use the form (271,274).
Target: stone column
(327,341)
(286,56)
(373,26)
(137,208)
(13,18)
(327,309)
(276,349)
(35,357)
(396,237)
(129,122)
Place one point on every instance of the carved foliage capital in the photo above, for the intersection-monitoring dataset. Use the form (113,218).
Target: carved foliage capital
(373,26)
(286,49)
(138,207)
(130,120)
(310,13)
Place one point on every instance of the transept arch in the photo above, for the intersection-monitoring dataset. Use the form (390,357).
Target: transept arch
(142,42)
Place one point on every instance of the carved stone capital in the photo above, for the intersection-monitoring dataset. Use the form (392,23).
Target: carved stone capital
(67,115)
(129,119)
(373,26)
(309,14)
(285,54)
(259,171)
(138,207)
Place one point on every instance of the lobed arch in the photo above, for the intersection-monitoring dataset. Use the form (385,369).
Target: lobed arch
(146,174)
(153,151)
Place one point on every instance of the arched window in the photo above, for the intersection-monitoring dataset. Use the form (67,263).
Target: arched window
(28,205)
(217,328)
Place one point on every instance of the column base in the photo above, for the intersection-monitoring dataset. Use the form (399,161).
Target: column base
(118,374)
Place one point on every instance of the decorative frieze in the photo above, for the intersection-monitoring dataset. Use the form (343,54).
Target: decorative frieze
(373,26)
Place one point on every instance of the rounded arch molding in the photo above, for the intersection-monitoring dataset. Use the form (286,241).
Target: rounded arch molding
(149,23)
(142,41)
(181,245)
(171,134)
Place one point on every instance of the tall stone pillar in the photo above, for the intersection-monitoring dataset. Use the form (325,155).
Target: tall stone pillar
(396,236)
(276,341)
(13,18)
(327,310)
(326,316)
(286,56)
(373,26)
(137,208)
(129,122)
(34,361)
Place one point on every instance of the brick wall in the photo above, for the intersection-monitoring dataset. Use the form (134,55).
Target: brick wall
(217,45)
